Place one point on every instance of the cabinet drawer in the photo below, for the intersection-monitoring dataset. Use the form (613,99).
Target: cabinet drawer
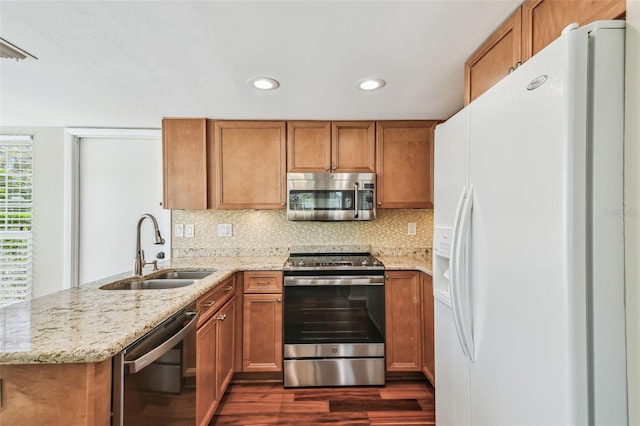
(215,298)
(263,282)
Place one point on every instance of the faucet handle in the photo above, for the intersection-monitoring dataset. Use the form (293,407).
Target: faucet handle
(154,263)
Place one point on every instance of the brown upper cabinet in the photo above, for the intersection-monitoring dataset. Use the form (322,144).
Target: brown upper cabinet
(250,164)
(544,20)
(493,60)
(211,164)
(405,164)
(184,163)
(325,146)
(527,31)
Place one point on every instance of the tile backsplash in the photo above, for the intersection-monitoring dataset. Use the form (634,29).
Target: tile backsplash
(268,232)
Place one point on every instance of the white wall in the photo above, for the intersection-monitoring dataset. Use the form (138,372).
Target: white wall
(48,206)
(120,179)
(632,206)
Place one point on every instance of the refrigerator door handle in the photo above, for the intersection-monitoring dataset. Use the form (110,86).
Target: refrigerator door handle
(462,292)
(454,272)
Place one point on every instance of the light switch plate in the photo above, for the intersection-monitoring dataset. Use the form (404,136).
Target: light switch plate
(178,230)
(411,228)
(189,230)
(224,230)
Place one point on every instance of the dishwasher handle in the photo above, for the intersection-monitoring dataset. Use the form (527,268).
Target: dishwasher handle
(135,365)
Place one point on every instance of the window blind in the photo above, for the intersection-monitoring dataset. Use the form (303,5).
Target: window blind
(16,207)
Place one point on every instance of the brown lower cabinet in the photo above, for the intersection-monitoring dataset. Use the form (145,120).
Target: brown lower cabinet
(403,317)
(262,322)
(214,347)
(56,394)
(409,323)
(214,357)
(428,343)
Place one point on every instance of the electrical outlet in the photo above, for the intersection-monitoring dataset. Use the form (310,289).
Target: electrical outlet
(189,230)
(411,228)
(178,230)
(224,230)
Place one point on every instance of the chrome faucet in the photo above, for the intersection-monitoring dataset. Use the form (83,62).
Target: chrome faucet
(139,261)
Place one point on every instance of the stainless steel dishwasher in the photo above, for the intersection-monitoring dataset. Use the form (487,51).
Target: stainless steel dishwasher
(149,375)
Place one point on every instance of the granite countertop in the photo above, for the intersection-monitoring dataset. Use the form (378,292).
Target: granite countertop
(86,324)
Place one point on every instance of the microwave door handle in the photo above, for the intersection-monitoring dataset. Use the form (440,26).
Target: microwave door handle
(356,207)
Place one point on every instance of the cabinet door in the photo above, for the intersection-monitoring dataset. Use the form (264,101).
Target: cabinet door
(262,338)
(184,161)
(56,394)
(428,346)
(544,20)
(493,59)
(403,298)
(250,164)
(405,164)
(353,148)
(225,346)
(308,146)
(206,395)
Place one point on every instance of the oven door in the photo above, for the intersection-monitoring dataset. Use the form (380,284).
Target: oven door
(333,330)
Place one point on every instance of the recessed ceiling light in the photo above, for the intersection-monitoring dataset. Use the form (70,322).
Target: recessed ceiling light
(263,83)
(370,84)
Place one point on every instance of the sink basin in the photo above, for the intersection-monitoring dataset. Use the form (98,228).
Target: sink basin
(160,281)
(179,275)
(152,284)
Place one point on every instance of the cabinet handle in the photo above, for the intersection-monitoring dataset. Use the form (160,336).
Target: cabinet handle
(379,203)
(209,304)
(227,288)
(386,277)
(222,317)
(263,282)
(327,167)
(515,67)
(279,300)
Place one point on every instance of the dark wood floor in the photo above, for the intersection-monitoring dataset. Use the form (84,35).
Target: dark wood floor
(397,403)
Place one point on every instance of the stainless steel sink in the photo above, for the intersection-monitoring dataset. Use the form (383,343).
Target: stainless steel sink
(160,281)
(179,275)
(153,284)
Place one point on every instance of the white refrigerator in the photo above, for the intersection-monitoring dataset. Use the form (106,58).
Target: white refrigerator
(528,243)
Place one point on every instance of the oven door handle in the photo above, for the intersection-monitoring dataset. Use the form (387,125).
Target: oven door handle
(135,365)
(319,280)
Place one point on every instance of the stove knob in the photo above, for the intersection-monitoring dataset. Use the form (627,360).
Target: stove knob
(301,263)
(376,263)
(365,263)
(289,263)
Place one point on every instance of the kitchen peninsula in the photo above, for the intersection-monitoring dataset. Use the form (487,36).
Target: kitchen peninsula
(55,358)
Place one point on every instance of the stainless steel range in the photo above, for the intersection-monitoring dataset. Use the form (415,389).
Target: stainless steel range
(333,320)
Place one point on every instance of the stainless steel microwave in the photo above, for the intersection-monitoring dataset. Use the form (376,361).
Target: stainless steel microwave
(331,196)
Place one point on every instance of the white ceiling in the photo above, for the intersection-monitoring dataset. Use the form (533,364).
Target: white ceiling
(130,63)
